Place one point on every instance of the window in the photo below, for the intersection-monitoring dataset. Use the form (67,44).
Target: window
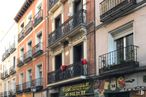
(14,62)
(121,40)
(39,71)
(29,75)
(21,78)
(39,37)
(22,54)
(38,7)
(29,45)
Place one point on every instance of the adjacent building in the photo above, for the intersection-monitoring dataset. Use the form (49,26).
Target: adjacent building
(120,48)
(31,49)
(8,72)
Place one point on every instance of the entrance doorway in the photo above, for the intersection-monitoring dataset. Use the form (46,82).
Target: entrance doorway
(122,94)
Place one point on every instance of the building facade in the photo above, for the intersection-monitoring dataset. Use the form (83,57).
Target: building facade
(8,72)
(70,48)
(31,49)
(120,48)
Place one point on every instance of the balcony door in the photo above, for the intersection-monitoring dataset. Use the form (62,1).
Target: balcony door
(124,48)
(77,53)
(58,61)
(77,6)
(77,11)
(57,25)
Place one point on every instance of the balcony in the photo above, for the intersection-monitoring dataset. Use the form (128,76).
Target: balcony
(7,53)
(3,57)
(28,27)
(12,93)
(123,59)
(12,48)
(38,18)
(38,50)
(19,88)
(112,9)
(38,84)
(28,56)
(73,72)
(69,28)
(20,61)
(21,35)
(27,86)
(53,5)
(3,76)
(7,74)
(12,70)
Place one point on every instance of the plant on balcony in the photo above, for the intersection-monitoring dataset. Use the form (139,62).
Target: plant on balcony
(63,67)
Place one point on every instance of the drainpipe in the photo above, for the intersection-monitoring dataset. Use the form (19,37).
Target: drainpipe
(95,37)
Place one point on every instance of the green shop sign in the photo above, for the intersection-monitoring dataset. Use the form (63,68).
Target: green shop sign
(77,90)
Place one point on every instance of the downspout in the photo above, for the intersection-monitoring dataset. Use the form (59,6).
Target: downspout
(95,38)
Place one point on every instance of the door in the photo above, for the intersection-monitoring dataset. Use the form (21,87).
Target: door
(58,63)
(124,94)
(120,50)
(77,12)
(78,53)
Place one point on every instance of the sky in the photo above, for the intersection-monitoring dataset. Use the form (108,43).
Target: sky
(8,27)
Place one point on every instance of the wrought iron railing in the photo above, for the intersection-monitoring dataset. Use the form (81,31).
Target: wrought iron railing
(28,27)
(67,27)
(38,18)
(118,58)
(19,88)
(12,70)
(20,61)
(38,82)
(113,8)
(37,48)
(21,35)
(71,71)
(52,3)
(28,55)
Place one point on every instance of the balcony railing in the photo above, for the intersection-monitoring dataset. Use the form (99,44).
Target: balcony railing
(12,48)
(19,88)
(20,61)
(114,8)
(27,86)
(67,27)
(125,57)
(37,49)
(21,35)
(3,76)
(6,74)
(38,18)
(12,70)
(52,3)
(38,84)
(28,56)
(71,71)
(28,27)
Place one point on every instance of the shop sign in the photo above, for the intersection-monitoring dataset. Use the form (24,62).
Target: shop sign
(77,90)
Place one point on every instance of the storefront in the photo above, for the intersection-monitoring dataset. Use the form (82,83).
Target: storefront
(132,85)
(83,89)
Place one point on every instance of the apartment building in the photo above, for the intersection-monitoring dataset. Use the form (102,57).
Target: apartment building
(31,49)
(71,48)
(120,48)
(8,72)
